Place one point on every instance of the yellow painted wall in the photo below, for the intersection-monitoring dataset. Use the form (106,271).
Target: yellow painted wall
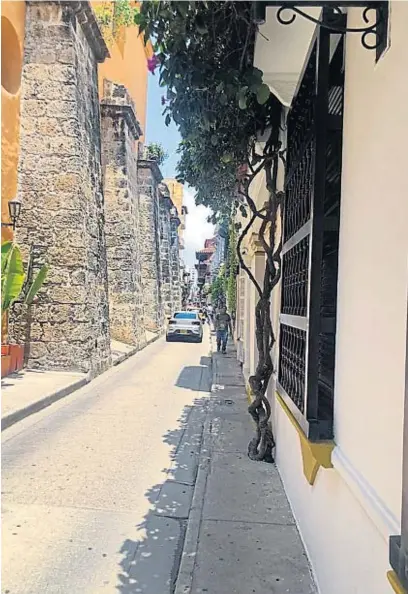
(12,38)
(176,190)
(127,64)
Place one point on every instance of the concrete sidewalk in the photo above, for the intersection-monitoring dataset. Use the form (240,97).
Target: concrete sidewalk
(241,536)
(29,391)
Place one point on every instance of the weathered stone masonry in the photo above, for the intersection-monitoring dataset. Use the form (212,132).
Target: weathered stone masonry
(120,130)
(165,243)
(60,184)
(149,177)
(169,254)
(175,263)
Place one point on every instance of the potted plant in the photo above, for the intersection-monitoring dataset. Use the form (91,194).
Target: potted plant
(14,284)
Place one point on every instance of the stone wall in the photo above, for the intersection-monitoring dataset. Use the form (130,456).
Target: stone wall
(165,244)
(60,184)
(120,130)
(175,263)
(149,177)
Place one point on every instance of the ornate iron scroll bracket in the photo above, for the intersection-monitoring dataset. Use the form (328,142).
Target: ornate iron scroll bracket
(375,17)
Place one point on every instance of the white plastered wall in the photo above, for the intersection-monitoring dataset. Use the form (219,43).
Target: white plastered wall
(346,517)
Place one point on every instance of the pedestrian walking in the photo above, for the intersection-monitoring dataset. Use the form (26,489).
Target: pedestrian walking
(210,315)
(222,326)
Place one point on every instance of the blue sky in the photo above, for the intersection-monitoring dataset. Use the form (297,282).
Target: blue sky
(156,129)
(197,227)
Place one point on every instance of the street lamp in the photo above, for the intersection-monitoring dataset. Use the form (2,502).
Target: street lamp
(14,207)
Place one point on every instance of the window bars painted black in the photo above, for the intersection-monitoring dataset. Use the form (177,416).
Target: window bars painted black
(311,234)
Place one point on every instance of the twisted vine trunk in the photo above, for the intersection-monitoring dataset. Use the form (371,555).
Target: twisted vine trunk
(262,445)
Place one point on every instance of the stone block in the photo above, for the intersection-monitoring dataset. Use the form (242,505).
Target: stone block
(67,294)
(32,108)
(38,350)
(60,109)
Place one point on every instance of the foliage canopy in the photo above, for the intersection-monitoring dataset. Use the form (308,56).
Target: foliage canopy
(214,94)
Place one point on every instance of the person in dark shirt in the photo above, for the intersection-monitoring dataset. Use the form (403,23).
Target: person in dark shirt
(222,326)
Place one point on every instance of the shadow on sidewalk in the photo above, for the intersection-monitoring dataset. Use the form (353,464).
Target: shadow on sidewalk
(150,565)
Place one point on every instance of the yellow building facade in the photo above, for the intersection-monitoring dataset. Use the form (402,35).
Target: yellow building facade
(176,190)
(127,65)
(12,48)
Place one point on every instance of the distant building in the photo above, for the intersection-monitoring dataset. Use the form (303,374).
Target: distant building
(220,253)
(176,190)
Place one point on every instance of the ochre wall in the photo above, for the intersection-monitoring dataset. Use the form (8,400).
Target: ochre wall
(176,192)
(128,65)
(12,37)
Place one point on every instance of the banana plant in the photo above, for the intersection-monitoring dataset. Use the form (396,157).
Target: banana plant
(13,277)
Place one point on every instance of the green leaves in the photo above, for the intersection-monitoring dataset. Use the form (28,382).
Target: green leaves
(12,278)
(263,94)
(156,152)
(36,284)
(201,26)
(217,100)
(242,97)
(6,248)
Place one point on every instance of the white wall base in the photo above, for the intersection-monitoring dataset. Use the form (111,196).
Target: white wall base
(347,550)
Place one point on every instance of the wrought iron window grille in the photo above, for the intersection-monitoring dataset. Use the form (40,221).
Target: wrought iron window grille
(375,16)
(310,236)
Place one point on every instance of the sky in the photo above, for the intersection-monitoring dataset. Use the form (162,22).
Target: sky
(197,227)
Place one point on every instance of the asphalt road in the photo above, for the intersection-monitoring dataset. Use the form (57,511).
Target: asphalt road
(96,489)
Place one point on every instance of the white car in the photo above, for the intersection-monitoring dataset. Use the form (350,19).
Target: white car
(185,325)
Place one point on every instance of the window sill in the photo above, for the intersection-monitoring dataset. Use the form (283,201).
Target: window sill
(395,583)
(314,455)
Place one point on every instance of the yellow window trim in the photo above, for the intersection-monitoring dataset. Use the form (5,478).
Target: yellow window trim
(395,583)
(314,455)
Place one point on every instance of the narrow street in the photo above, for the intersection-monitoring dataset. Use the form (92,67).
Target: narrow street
(95,498)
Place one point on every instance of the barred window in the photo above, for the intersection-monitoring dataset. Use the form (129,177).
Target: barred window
(311,236)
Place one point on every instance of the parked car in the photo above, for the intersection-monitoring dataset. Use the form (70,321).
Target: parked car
(185,325)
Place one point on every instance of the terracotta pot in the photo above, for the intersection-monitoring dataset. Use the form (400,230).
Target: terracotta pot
(5,349)
(17,357)
(5,365)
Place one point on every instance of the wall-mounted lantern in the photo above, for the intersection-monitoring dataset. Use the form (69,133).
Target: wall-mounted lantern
(14,207)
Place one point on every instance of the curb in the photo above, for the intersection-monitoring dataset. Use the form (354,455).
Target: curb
(35,407)
(184,581)
(13,418)
(125,356)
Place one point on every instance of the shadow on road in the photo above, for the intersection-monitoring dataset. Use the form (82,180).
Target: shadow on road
(195,377)
(150,564)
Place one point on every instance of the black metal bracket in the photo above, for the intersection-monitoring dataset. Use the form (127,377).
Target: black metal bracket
(375,15)
(13,225)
